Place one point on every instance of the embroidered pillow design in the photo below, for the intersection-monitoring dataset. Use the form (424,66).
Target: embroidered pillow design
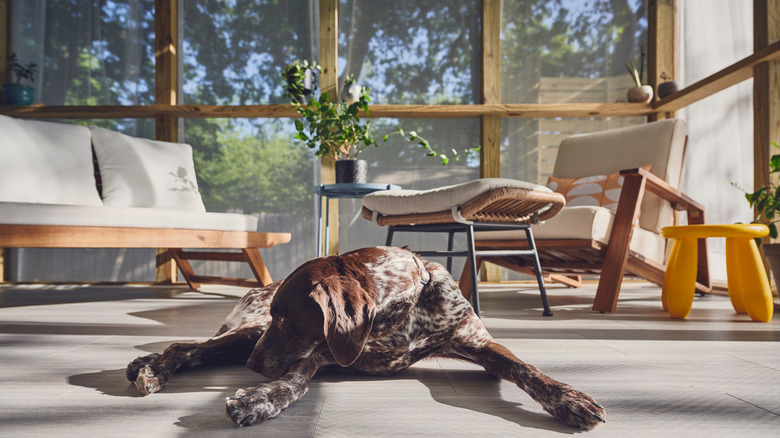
(597,191)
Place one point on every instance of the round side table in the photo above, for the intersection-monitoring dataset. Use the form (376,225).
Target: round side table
(337,191)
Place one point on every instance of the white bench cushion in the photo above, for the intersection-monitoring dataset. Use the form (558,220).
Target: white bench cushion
(137,172)
(401,202)
(46,162)
(20,213)
(585,222)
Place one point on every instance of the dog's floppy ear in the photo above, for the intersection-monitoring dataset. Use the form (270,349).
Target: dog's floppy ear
(349,315)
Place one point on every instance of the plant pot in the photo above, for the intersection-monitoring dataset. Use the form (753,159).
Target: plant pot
(308,89)
(667,88)
(772,253)
(18,94)
(643,94)
(351,93)
(351,171)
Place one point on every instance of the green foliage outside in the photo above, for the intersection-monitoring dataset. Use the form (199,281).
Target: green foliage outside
(254,174)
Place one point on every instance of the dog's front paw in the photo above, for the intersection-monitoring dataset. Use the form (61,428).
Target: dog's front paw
(575,408)
(254,405)
(140,362)
(149,381)
(251,406)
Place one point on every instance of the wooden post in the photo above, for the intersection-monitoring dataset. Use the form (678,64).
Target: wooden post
(166,89)
(490,162)
(662,43)
(766,89)
(329,60)
(490,128)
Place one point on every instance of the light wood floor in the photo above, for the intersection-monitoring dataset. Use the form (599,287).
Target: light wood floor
(63,351)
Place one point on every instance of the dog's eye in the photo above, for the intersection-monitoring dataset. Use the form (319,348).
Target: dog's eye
(278,315)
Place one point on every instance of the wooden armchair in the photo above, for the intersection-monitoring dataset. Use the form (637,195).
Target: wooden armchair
(610,240)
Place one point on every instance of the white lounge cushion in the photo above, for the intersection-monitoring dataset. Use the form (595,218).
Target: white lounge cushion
(137,172)
(399,202)
(46,162)
(585,222)
(19,213)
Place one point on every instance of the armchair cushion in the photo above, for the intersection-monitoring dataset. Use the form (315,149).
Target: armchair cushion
(586,222)
(660,144)
(138,172)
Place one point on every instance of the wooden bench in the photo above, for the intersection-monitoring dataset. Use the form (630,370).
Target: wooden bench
(172,239)
(134,193)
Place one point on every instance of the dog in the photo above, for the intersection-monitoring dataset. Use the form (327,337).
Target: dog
(373,311)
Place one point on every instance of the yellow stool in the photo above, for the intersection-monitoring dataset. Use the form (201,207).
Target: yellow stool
(747,281)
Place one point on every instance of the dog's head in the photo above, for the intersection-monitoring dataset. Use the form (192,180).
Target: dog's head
(314,309)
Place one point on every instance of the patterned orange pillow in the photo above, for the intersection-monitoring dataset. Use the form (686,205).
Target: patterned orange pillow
(599,190)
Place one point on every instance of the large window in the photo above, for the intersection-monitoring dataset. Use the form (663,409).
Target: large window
(88,52)
(570,51)
(234,51)
(412,52)
(557,52)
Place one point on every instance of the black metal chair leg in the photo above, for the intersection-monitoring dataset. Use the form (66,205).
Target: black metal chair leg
(450,240)
(389,238)
(472,261)
(538,270)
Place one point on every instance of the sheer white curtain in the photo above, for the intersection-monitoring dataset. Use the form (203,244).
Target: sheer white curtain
(714,35)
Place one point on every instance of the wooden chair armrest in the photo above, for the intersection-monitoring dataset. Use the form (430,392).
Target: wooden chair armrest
(680,202)
(659,187)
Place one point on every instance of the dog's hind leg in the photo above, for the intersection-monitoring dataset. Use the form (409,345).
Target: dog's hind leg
(258,403)
(563,402)
(151,373)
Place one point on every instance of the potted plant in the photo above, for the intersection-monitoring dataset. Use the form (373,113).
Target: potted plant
(766,204)
(351,91)
(639,93)
(301,80)
(336,130)
(667,87)
(17,93)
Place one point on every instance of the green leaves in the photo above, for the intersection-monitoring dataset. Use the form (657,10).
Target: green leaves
(22,71)
(414,136)
(296,82)
(766,200)
(335,129)
(634,73)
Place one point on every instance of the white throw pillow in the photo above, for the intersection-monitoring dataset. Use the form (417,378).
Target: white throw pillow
(47,163)
(138,172)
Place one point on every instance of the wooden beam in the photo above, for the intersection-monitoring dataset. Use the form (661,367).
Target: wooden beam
(329,52)
(166,88)
(490,155)
(329,60)
(719,81)
(491,51)
(166,66)
(662,38)
(285,110)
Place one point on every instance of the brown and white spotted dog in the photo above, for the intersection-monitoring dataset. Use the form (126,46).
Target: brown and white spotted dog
(373,311)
